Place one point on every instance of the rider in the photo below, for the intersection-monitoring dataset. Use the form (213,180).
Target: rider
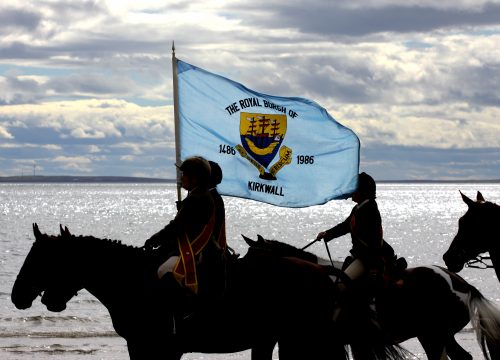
(370,253)
(185,238)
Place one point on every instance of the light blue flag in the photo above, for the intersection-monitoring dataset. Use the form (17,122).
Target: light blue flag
(284,151)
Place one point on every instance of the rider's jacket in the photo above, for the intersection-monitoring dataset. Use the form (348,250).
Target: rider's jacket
(198,235)
(194,213)
(188,234)
(365,226)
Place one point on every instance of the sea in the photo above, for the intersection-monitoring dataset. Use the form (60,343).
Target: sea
(419,220)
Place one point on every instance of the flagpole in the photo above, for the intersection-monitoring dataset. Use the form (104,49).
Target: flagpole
(176,122)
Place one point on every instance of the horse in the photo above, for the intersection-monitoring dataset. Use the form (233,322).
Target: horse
(478,232)
(429,303)
(286,301)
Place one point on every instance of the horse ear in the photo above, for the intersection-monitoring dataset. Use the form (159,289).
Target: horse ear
(64,231)
(36,231)
(466,200)
(249,241)
(260,238)
(479,197)
(61,230)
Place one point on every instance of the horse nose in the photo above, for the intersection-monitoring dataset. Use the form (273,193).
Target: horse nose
(52,304)
(19,303)
(450,264)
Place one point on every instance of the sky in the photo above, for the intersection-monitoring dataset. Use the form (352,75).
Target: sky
(86,86)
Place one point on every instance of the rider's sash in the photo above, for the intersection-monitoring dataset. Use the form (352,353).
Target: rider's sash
(185,269)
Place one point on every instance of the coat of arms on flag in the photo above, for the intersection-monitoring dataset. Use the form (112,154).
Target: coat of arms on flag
(261,137)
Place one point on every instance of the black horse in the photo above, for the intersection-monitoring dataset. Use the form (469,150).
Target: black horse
(427,302)
(269,300)
(478,233)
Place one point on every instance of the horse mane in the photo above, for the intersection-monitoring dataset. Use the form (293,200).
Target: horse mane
(491,205)
(105,246)
(106,241)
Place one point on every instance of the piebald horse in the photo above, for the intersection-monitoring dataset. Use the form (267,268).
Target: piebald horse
(429,303)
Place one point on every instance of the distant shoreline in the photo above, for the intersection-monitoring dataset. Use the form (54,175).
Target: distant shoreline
(131,179)
(492,181)
(81,179)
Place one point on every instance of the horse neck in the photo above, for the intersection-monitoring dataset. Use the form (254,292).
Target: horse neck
(107,269)
(492,222)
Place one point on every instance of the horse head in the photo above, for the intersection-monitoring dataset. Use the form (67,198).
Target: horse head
(278,248)
(45,273)
(474,233)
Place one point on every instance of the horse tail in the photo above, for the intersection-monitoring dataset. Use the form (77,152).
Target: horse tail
(485,319)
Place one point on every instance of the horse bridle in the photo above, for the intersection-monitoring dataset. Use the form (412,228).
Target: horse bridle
(480,260)
(476,262)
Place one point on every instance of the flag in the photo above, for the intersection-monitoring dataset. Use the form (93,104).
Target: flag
(285,151)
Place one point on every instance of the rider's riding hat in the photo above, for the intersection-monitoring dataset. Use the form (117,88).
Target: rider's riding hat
(197,166)
(366,186)
(215,174)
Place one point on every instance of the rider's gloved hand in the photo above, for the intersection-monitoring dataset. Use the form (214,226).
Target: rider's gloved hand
(321,235)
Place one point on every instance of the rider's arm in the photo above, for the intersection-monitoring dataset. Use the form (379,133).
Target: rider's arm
(338,230)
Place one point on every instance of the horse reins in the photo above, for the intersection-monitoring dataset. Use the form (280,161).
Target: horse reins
(479,260)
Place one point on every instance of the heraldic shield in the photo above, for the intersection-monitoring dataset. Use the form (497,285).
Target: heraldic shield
(262,135)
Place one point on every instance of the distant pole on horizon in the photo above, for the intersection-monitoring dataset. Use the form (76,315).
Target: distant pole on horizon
(34,168)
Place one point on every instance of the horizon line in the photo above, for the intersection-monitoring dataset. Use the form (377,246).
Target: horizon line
(111,178)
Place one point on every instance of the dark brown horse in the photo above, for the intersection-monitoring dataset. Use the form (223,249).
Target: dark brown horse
(268,301)
(478,233)
(429,303)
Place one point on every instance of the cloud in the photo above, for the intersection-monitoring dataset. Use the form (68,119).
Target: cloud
(343,18)
(79,118)
(75,163)
(17,19)
(5,134)
(423,163)
(83,129)
(93,78)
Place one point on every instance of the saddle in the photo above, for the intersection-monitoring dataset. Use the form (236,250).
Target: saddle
(383,274)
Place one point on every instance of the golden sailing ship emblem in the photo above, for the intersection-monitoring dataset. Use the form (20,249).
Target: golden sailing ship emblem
(261,138)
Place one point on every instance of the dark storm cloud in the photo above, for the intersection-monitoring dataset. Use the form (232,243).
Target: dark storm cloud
(75,9)
(47,136)
(340,78)
(478,85)
(83,50)
(35,135)
(90,84)
(330,18)
(18,90)
(19,84)
(18,50)
(12,19)
(424,163)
